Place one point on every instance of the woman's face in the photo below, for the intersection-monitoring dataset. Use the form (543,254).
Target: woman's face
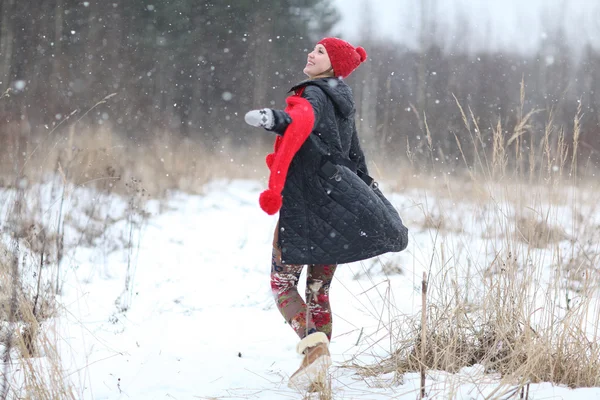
(317,62)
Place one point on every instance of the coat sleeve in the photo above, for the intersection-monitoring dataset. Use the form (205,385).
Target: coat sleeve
(356,153)
(282,121)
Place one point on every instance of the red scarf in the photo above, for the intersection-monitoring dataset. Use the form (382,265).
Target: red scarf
(286,146)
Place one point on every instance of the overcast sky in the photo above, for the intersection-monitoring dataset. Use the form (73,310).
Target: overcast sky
(515,25)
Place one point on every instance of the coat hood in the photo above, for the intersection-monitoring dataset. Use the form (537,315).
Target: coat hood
(337,90)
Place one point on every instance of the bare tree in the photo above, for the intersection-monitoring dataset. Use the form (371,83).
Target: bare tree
(367,81)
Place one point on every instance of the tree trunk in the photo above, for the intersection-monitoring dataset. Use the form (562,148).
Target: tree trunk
(6,42)
(56,75)
(367,123)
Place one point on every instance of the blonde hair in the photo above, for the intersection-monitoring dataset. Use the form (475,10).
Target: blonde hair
(326,74)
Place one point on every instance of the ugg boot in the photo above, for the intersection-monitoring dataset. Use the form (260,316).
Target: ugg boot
(313,370)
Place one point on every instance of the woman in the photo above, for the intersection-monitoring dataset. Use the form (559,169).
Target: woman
(331,211)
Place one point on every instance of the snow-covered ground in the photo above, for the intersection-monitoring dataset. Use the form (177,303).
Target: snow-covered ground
(200,322)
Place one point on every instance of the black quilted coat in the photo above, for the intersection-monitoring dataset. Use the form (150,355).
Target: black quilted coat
(334,218)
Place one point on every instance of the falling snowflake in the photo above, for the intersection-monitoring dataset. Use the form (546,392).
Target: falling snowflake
(19,85)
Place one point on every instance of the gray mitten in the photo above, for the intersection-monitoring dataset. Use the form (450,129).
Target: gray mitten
(261,118)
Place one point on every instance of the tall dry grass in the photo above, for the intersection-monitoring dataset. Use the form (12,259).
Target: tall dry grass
(104,159)
(41,176)
(513,285)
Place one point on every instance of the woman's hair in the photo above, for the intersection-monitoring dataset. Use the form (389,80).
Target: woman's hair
(325,74)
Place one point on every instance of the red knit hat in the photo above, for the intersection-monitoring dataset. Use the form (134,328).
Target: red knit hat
(343,56)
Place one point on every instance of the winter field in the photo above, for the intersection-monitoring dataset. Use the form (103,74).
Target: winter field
(112,291)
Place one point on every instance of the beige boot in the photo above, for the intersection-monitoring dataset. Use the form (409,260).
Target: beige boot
(313,370)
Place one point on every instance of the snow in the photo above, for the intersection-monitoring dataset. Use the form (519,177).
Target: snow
(200,321)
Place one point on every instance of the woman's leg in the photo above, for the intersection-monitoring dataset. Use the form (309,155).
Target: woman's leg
(318,280)
(284,284)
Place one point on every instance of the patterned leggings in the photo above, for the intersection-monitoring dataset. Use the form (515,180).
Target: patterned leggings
(284,283)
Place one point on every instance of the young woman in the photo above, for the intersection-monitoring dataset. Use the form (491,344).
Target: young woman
(331,211)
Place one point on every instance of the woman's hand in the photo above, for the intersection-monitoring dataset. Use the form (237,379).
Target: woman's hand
(272,120)
(262,118)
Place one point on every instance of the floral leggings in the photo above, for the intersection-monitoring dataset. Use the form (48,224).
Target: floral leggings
(311,316)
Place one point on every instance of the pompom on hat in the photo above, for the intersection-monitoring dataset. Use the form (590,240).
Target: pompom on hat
(344,57)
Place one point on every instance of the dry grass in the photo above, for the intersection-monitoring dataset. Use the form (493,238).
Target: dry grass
(504,313)
(320,392)
(54,166)
(104,159)
(526,309)
(32,367)
(538,234)
(507,326)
